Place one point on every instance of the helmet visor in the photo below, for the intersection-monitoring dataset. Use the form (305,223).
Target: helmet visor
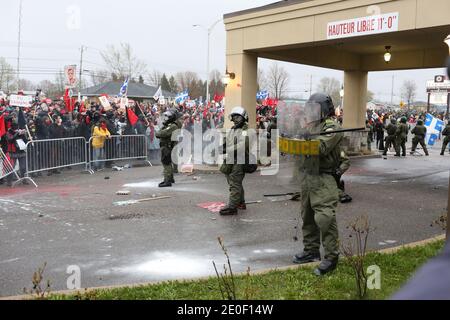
(312,114)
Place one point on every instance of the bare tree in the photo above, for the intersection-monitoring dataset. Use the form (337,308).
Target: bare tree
(174,88)
(278,81)
(122,61)
(6,74)
(154,78)
(409,90)
(370,95)
(261,80)
(99,76)
(216,85)
(332,87)
(26,85)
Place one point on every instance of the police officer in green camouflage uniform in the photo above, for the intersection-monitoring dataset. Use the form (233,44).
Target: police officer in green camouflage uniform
(391,130)
(446,134)
(235,172)
(319,191)
(420,132)
(369,127)
(402,136)
(166,143)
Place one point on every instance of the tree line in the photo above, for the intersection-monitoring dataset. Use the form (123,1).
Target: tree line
(120,62)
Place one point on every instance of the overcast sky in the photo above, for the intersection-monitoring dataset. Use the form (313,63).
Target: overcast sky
(160,32)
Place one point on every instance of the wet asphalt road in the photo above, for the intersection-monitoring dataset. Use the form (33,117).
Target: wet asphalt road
(71,219)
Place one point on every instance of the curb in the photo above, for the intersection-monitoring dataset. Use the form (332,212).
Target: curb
(258,272)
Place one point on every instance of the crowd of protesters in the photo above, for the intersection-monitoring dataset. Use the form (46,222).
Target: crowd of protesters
(51,120)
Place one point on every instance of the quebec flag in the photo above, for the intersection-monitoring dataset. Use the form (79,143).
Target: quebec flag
(434,128)
(181,97)
(124,88)
(262,95)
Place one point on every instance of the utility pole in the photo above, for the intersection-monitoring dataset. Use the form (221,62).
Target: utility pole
(19,45)
(81,68)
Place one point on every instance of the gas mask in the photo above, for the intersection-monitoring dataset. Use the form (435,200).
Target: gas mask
(238,121)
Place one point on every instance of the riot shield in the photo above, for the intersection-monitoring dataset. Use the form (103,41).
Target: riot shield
(299,129)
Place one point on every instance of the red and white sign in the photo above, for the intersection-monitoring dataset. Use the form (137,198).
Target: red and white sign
(71,78)
(363,26)
(20,101)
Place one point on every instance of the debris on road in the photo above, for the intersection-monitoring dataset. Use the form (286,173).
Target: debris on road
(123,193)
(130,202)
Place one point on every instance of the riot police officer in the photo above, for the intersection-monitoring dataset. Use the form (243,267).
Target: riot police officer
(402,135)
(165,136)
(446,134)
(235,171)
(391,138)
(420,131)
(319,191)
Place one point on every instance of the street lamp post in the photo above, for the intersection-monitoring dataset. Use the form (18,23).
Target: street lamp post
(209,30)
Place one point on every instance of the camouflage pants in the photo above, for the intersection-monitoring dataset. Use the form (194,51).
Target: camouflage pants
(166,160)
(319,204)
(390,140)
(416,141)
(168,172)
(401,144)
(445,143)
(235,179)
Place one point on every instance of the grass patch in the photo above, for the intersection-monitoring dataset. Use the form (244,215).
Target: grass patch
(298,284)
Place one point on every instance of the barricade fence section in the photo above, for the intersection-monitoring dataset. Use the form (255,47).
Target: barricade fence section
(6,167)
(52,154)
(117,148)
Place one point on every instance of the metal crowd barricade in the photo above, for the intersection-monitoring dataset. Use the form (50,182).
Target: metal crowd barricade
(6,168)
(52,154)
(117,148)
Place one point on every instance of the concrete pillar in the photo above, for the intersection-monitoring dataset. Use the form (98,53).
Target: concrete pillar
(242,90)
(355,99)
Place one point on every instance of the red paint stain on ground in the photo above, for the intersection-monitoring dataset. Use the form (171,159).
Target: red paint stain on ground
(63,191)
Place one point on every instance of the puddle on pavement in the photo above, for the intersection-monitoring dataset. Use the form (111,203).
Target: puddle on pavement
(166,265)
(191,187)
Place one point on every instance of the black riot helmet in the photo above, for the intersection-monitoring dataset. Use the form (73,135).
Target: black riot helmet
(393,121)
(420,122)
(169,117)
(325,103)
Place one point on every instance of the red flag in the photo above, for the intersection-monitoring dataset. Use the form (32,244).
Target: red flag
(2,126)
(67,100)
(132,117)
(218,98)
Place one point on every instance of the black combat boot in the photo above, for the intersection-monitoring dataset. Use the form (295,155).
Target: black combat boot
(165,184)
(172,180)
(306,257)
(228,211)
(325,267)
(346,199)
